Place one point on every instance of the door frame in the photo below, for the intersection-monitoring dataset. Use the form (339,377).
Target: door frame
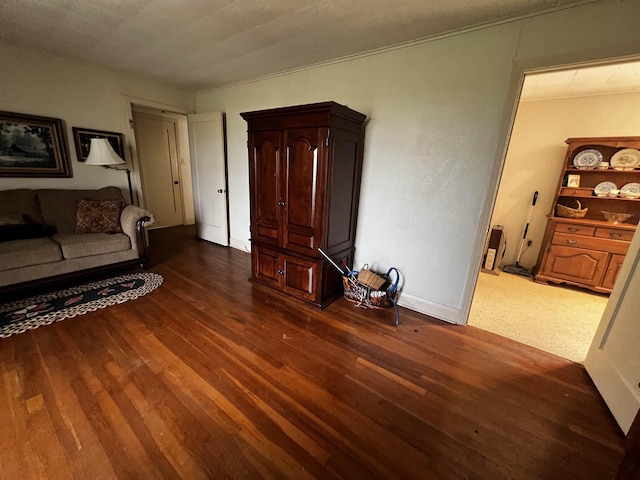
(512,102)
(182,135)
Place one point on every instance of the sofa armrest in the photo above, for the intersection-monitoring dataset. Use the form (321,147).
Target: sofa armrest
(133,220)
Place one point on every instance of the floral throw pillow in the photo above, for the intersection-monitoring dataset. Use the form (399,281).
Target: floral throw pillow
(98,216)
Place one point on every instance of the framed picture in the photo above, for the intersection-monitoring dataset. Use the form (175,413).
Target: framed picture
(82,138)
(32,146)
(573,181)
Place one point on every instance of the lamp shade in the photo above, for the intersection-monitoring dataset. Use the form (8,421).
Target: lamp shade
(101,153)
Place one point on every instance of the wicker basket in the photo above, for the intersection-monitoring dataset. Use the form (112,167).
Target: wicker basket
(365,296)
(370,279)
(569,212)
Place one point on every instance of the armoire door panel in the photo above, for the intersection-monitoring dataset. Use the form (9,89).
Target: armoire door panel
(305,152)
(266,165)
(300,237)
(302,166)
(344,182)
(266,266)
(300,277)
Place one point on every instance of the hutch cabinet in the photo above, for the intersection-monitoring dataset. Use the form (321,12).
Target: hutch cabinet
(305,164)
(589,251)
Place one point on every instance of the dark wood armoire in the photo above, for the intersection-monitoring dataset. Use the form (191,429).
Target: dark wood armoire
(305,164)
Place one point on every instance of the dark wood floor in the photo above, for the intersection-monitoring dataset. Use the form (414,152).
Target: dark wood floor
(212,376)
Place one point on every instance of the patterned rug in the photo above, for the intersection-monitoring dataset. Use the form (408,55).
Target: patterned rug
(34,312)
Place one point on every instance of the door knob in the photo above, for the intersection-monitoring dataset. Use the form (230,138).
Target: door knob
(176,182)
(220,190)
(282,204)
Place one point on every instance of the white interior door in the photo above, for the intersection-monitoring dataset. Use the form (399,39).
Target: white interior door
(206,140)
(613,361)
(160,174)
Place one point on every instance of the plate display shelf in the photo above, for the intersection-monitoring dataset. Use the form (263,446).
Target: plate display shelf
(589,251)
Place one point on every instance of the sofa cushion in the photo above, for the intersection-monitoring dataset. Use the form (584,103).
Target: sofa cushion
(22,202)
(98,216)
(35,251)
(59,206)
(87,244)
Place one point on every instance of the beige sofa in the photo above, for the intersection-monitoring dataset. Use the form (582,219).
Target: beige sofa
(46,246)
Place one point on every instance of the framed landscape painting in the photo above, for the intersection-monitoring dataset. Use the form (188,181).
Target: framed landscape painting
(82,138)
(32,146)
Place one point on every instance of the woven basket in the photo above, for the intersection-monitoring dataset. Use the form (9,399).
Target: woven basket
(370,279)
(360,294)
(364,296)
(568,212)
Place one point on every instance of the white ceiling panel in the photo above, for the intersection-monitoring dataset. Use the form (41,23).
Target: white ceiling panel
(585,81)
(201,44)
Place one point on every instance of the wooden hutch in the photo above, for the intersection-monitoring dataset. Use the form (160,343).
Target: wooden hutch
(588,252)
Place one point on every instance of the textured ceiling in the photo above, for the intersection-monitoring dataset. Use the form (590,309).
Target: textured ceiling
(596,80)
(202,44)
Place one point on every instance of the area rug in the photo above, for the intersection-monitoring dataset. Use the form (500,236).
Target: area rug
(27,314)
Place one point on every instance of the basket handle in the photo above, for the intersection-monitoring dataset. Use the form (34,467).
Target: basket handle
(393,287)
(578,202)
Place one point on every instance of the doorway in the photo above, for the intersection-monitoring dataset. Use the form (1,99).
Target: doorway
(162,147)
(590,101)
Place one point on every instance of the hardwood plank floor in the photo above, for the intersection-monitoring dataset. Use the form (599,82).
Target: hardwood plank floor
(213,376)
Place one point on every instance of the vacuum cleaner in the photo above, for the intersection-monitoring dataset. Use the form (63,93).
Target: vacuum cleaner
(517,268)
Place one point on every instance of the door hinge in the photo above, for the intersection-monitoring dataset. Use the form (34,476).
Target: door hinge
(326,142)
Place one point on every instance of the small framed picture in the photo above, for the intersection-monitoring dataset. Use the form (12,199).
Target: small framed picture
(82,138)
(573,181)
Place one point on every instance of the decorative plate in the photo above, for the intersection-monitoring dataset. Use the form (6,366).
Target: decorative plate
(588,159)
(629,158)
(602,189)
(631,188)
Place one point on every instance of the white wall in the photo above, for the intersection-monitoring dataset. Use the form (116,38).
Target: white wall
(536,156)
(438,113)
(82,95)
(416,181)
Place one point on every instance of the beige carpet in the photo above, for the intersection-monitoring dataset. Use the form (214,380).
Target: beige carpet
(557,319)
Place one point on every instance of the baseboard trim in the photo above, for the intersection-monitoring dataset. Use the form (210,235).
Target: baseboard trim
(240,245)
(433,309)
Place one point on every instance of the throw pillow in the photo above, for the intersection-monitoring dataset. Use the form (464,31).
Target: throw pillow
(21,232)
(98,216)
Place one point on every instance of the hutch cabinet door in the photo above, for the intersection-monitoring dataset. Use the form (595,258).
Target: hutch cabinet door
(266,171)
(575,264)
(612,271)
(306,167)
